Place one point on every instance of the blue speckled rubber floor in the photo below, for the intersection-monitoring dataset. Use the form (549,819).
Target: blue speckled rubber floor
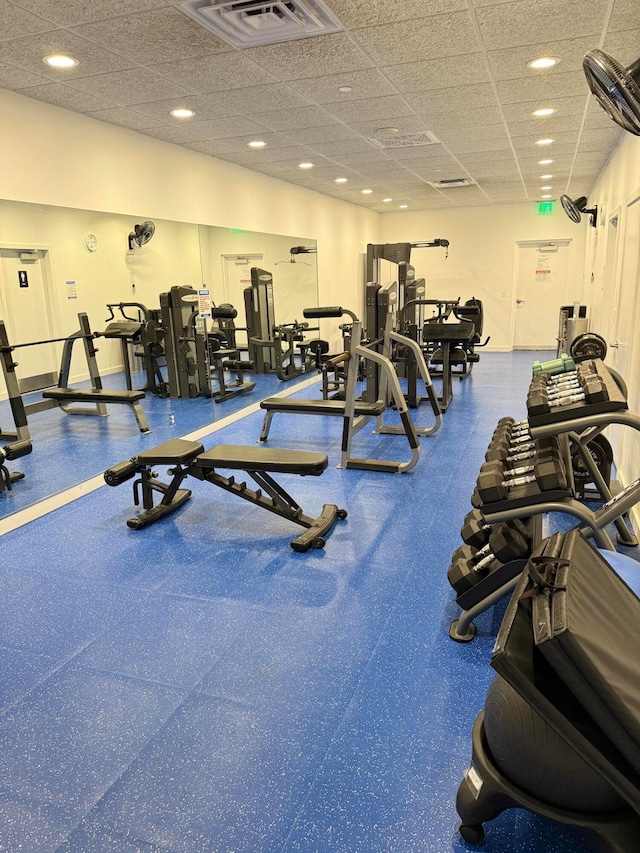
(198,687)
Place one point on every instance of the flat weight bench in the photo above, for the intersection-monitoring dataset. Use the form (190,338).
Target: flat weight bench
(189,458)
(64,397)
(299,406)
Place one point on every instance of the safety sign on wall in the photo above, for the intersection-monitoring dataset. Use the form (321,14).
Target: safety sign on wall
(204,304)
(23,279)
(543,271)
(71,290)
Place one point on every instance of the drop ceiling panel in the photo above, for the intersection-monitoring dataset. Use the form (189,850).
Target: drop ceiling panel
(16,78)
(177,135)
(292,154)
(125,118)
(297,119)
(17,22)
(65,96)
(223,127)
(330,133)
(215,72)
(310,57)
(389,108)
(365,13)
(405,125)
(522,110)
(370,83)
(422,76)
(466,134)
(208,146)
(624,46)
(129,87)
(204,108)
(158,36)
(542,88)
(452,100)
(275,96)
(511,63)
(27,53)
(624,16)
(348,146)
(513,24)
(275,142)
(552,126)
(66,13)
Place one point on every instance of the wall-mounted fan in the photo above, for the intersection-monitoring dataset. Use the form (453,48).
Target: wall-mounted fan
(575,208)
(294,251)
(141,234)
(616,88)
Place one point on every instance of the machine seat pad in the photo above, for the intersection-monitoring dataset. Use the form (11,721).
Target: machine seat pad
(463,332)
(319,407)
(177,451)
(247,458)
(91,395)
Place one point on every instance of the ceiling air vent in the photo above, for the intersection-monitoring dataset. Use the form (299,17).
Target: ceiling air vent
(410,140)
(249,23)
(449,183)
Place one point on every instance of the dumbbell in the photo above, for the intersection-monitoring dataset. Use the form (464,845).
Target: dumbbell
(469,565)
(548,473)
(503,449)
(557,365)
(526,452)
(475,531)
(505,430)
(595,391)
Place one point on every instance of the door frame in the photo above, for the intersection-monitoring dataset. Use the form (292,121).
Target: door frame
(559,241)
(45,257)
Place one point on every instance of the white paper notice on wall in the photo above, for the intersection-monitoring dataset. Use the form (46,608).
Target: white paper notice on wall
(543,274)
(71,290)
(204,304)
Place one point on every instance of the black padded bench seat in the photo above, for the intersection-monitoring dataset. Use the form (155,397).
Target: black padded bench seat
(463,332)
(319,407)
(188,458)
(98,397)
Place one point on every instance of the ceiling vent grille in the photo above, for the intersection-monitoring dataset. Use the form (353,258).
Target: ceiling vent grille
(450,183)
(410,140)
(249,23)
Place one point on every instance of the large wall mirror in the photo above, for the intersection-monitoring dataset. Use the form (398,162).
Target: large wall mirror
(58,262)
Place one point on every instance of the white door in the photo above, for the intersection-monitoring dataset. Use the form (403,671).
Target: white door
(542,286)
(599,316)
(236,277)
(25,311)
(623,335)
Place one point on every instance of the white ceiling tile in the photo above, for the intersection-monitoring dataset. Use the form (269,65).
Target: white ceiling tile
(27,53)
(274,169)
(624,16)
(296,119)
(292,154)
(528,141)
(468,134)
(478,158)
(363,157)
(16,78)
(161,35)
(449,34)
(488,116)
(624,46)
(543,88)
(523,110)
(428,153)
(134,86)
(330,133)
(404,124)
(240,158)
(310,57)
(18,22)
(204,108)
(423,76)
(208,146)
(65,96)
(369,83)
(177,135)
(348,146)
(520,23)
(479,145)
(458,99)
(550,126)
(273,140)
(66,13)
(124,117)
(465,195)
(272,97)
(511,63)
(388,108)
(596,117)
(214,72)
(601,139)
(226,127)
(366,13)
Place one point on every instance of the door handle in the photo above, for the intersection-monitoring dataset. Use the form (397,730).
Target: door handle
(519,301)
(614,344)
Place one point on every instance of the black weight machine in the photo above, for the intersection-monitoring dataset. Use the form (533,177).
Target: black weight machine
(273,348)
(146,334)
(94,399)
(224,356)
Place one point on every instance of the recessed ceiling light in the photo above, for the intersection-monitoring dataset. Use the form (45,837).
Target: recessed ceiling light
(403,206)
(341,180)
(545,177)
(182,112)
(543,62)
(387,199)
(544,141)
(546,196)
(544,162)
(306,165)
(546,188)
(59,60)
(257,143)
(344,89)
(544,111)
(366,192)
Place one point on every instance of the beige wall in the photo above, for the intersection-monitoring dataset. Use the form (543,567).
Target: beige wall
(482,254)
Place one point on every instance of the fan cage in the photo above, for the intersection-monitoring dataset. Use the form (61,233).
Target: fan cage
(615,89)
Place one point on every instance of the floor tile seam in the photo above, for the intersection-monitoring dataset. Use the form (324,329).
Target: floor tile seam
(86,487)
(138,679)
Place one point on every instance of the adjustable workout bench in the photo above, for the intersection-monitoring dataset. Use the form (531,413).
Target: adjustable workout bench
(189,458)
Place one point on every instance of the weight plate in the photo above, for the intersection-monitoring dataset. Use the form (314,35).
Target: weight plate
(588,345)
(602,454)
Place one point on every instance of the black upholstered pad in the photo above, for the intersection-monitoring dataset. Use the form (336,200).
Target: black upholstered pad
(247,458)
(463,331)
(174,452)
(318,407)
(89,395)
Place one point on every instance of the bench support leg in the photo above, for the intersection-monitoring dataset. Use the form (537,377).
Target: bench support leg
(172,496)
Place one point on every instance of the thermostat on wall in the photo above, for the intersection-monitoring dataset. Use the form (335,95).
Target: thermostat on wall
(90,242)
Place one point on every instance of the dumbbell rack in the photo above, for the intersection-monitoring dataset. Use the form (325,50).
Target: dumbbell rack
(579,424)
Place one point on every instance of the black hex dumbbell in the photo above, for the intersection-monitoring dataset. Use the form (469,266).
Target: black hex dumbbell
(548,473)
(521,455)
(469,565)
(476,532)
(593,391)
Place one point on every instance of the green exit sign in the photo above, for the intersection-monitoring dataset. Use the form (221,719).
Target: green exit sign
(237,230)
(545,207)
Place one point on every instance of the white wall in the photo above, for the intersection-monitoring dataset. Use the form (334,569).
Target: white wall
(482,254)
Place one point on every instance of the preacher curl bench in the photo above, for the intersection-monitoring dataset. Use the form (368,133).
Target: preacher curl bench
(189,458)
